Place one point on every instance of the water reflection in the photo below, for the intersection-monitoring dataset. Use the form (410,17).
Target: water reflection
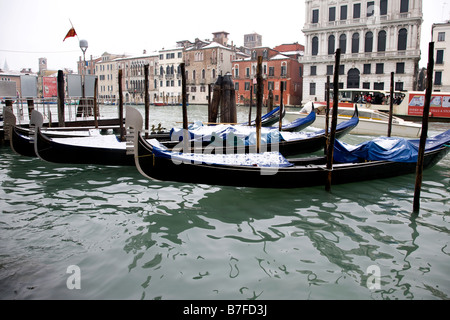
(158,240)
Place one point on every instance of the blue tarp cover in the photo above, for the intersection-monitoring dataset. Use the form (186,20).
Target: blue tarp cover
(246,135)
(388,149)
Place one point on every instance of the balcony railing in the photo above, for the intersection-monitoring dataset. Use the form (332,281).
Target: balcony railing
(361,56)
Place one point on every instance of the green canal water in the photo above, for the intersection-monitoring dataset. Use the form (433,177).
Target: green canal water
(99,232)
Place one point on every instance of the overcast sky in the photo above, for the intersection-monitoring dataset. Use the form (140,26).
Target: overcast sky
(31,29)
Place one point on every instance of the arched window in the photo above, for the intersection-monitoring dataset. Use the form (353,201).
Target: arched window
(355,43)
(343,43)
(265,55)
(214,73)
(353,78)
(193,74)
(381,41)
(368,44)
(402,38)
(254,55)
(161,70)
(315,46)
(203,74)
(331,44)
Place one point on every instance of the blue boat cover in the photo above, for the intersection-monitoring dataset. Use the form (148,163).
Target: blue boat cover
(246,135)
(387,149)
(301,121)
(265,159)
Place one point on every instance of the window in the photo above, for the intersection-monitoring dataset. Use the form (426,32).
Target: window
(382,41)
(343,43)
(332,14)
(315,46)
(378,86)
(313,71)
(270,85)
(368,42)
(331,42)
(355,43)
(383,7)
(356,10)
(236,86)
(247,86)
(247,72)
(329,70)
(398,86)
(312,89)
(400,67)
(283,69)
(402,37)
(441,36)
(438,78)
(236,72)
(315,16)
(370,8)
(439,56)
(404,6)
(341,69)
(379,68)
(366,85)
(271,71)
(203,74)
(367,68)
(344,12)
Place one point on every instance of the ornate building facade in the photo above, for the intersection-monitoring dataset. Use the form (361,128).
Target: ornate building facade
(375,38)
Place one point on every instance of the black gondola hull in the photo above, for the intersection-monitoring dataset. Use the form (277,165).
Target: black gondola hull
(52,151)
(296,176)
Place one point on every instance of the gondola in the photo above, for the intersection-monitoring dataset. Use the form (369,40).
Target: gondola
(300,124)
(107,150)
(291,144)
(101,150)
(270,170)
(269,119)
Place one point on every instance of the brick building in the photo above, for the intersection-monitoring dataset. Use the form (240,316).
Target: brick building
(205,61)
(279,66)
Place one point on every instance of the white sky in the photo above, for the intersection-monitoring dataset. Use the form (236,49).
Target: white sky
(30,29)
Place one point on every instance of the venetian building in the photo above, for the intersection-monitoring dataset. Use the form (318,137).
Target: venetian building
(168,75)
(375,37)
(441,38)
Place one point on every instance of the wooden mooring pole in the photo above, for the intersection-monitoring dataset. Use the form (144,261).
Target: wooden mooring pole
(95,102)
(391,105)
(259,102)
(424,133)
(327,113)
(60,88)
(280,122)
(146,101)
(251,106)
(122,135)
(332,135)
(184,99)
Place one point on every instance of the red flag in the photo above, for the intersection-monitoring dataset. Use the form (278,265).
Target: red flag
(71,33)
